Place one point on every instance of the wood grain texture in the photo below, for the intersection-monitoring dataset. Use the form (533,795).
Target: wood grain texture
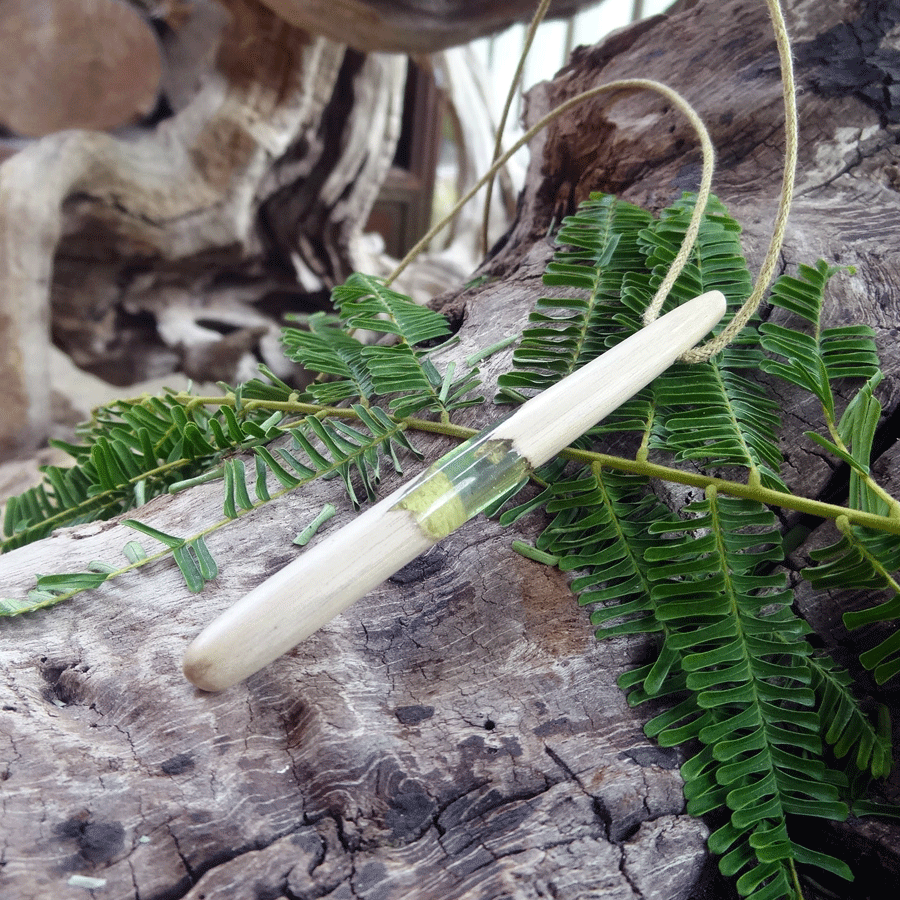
(458,733)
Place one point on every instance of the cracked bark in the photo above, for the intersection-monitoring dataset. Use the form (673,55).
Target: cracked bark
(428,743)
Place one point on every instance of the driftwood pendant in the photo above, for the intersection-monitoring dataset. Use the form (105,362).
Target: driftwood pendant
(342,568)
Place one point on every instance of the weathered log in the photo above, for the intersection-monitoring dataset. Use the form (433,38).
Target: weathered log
(268,170)
(421,26)
(457,734)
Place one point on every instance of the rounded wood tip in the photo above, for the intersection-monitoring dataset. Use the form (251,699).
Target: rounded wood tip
(716,303)
(202,671)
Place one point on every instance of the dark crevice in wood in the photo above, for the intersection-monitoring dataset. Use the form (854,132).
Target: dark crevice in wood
(851,59)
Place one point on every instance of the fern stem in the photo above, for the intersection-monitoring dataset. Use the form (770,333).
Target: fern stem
(296,407)
(639,466)
(481,355)
(765,495)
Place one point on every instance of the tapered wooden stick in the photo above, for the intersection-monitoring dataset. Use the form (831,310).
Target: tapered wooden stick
(346,565)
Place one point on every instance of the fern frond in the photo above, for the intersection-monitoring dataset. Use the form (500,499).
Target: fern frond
(711,412)
(816,356)
(401,372)
(308,533)
(717,262)
(565,331)
(600,522)
(191,555)
(328,350)
(414,384)
(813,359)
(131,451)
(846,727)
(864,559)
(856,432)
(365,302)
(744,661)
(323,448)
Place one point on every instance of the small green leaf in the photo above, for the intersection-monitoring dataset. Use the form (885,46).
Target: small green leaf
(70,582)
(228,506)
(531,552)
(168,539)
(305,536)
(134,552)
(262,491)
(837,451)
(240,485)
(207,565)
(187,563)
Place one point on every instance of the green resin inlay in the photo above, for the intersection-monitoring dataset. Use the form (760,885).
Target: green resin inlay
(436,506)
(463,483)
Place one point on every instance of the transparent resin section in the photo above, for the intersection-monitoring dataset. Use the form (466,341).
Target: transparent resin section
(463,483)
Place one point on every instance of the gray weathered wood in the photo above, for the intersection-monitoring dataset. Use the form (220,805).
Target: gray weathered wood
(457,734)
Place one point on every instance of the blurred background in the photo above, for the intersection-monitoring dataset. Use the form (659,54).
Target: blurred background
(178,176)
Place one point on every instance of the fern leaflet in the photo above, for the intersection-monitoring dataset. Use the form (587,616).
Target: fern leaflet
(737,423)
(751,704)
(365,302)
(566,331)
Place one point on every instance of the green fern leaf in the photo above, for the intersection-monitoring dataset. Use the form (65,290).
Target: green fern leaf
(414,384)
(856,430)
(709,413)
(365,302)
(599,246)
(712,413)
(170,540)
(134,552)
(845,726)
(328,350)
(322,449)
(745,662)
(235,488)
(717,262)
(307,534)
(600,524)
(131,451)
(864,559)
(70,582)
(816,356)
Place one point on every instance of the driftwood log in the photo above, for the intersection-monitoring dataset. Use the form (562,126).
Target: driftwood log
(419,26)
(265,171)
(186,188)
(457,734)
